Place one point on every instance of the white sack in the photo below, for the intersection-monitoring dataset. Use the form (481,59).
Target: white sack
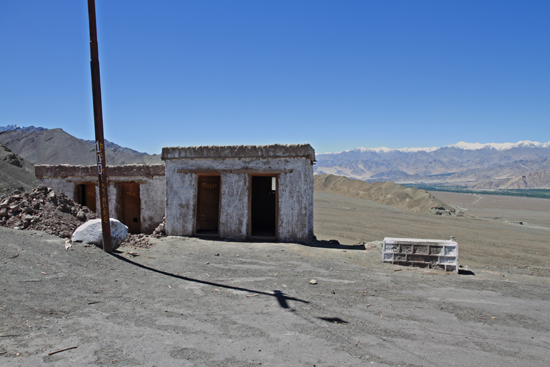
(90,232)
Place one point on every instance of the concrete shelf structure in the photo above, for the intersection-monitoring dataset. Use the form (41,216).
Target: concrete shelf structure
(440,254)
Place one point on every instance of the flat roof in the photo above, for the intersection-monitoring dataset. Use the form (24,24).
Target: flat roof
(66,170)
(239,151)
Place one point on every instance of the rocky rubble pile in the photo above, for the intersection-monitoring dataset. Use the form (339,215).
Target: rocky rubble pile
(43,210)
(160,230)
(142,240)
(136,240)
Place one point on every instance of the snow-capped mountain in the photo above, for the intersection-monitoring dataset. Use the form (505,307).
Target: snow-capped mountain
(460,145)
(458,164)
(500,146)
(20,128)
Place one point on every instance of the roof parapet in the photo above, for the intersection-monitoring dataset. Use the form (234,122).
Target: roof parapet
(240,151)
(66,170)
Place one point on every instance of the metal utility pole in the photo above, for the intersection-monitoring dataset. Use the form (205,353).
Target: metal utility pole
(98,122)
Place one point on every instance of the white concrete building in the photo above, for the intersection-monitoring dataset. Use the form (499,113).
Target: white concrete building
(240,192)
(136,192)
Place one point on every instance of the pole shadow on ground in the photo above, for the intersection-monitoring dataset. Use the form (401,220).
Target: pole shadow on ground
(280,296)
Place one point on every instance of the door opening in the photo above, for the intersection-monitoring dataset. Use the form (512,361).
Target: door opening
(85,195)
(264,207)
(130,206)
(208,205)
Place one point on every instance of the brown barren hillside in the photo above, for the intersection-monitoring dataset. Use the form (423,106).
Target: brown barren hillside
(15,172)
(535,180)
(55,146)
(386,193)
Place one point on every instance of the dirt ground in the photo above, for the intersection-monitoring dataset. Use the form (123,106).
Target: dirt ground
(532,212)
(485,241)
(193,302)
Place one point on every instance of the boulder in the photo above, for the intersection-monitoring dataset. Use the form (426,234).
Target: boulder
(91,232)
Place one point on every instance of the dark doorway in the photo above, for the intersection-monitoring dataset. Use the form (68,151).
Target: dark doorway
(85,195)
(208,205)
(130,206)
(264,206)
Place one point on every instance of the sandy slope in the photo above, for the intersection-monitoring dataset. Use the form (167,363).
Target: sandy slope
(532,212)
(483,241)
(387,193)
(15,172)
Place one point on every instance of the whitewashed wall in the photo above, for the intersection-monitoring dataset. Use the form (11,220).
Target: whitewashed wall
(295,193)
(234,205)
(152,196)
(180,202)
(59,185)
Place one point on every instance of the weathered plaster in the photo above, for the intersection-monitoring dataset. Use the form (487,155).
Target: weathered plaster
(240,151)
(65,170)
(234,206)
(113,200)
(61,186)
(153,198)
(180,202)
(235,164)
(151,179)
(174,195)
(296,204)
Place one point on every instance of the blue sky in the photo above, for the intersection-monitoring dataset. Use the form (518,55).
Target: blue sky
(335,74)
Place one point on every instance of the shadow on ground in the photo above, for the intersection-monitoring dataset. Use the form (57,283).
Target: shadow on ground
(334,244)
(280,296)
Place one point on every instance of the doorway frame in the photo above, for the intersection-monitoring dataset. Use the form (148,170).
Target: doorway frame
(196,209)
(78,194)
(249,225)
(119,202)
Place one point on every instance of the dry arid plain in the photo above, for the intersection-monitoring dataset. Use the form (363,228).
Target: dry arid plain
(194,302)
(489,234)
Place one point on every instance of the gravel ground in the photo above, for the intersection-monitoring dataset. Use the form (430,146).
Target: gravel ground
(192,302)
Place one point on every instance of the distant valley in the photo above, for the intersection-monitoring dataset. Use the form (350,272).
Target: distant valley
(21,148)
(522,165)
(511,166)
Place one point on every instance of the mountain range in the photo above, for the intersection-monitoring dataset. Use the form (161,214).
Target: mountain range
(521,165)
(20,148)
(19,128)
(491,166)
(55,146)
